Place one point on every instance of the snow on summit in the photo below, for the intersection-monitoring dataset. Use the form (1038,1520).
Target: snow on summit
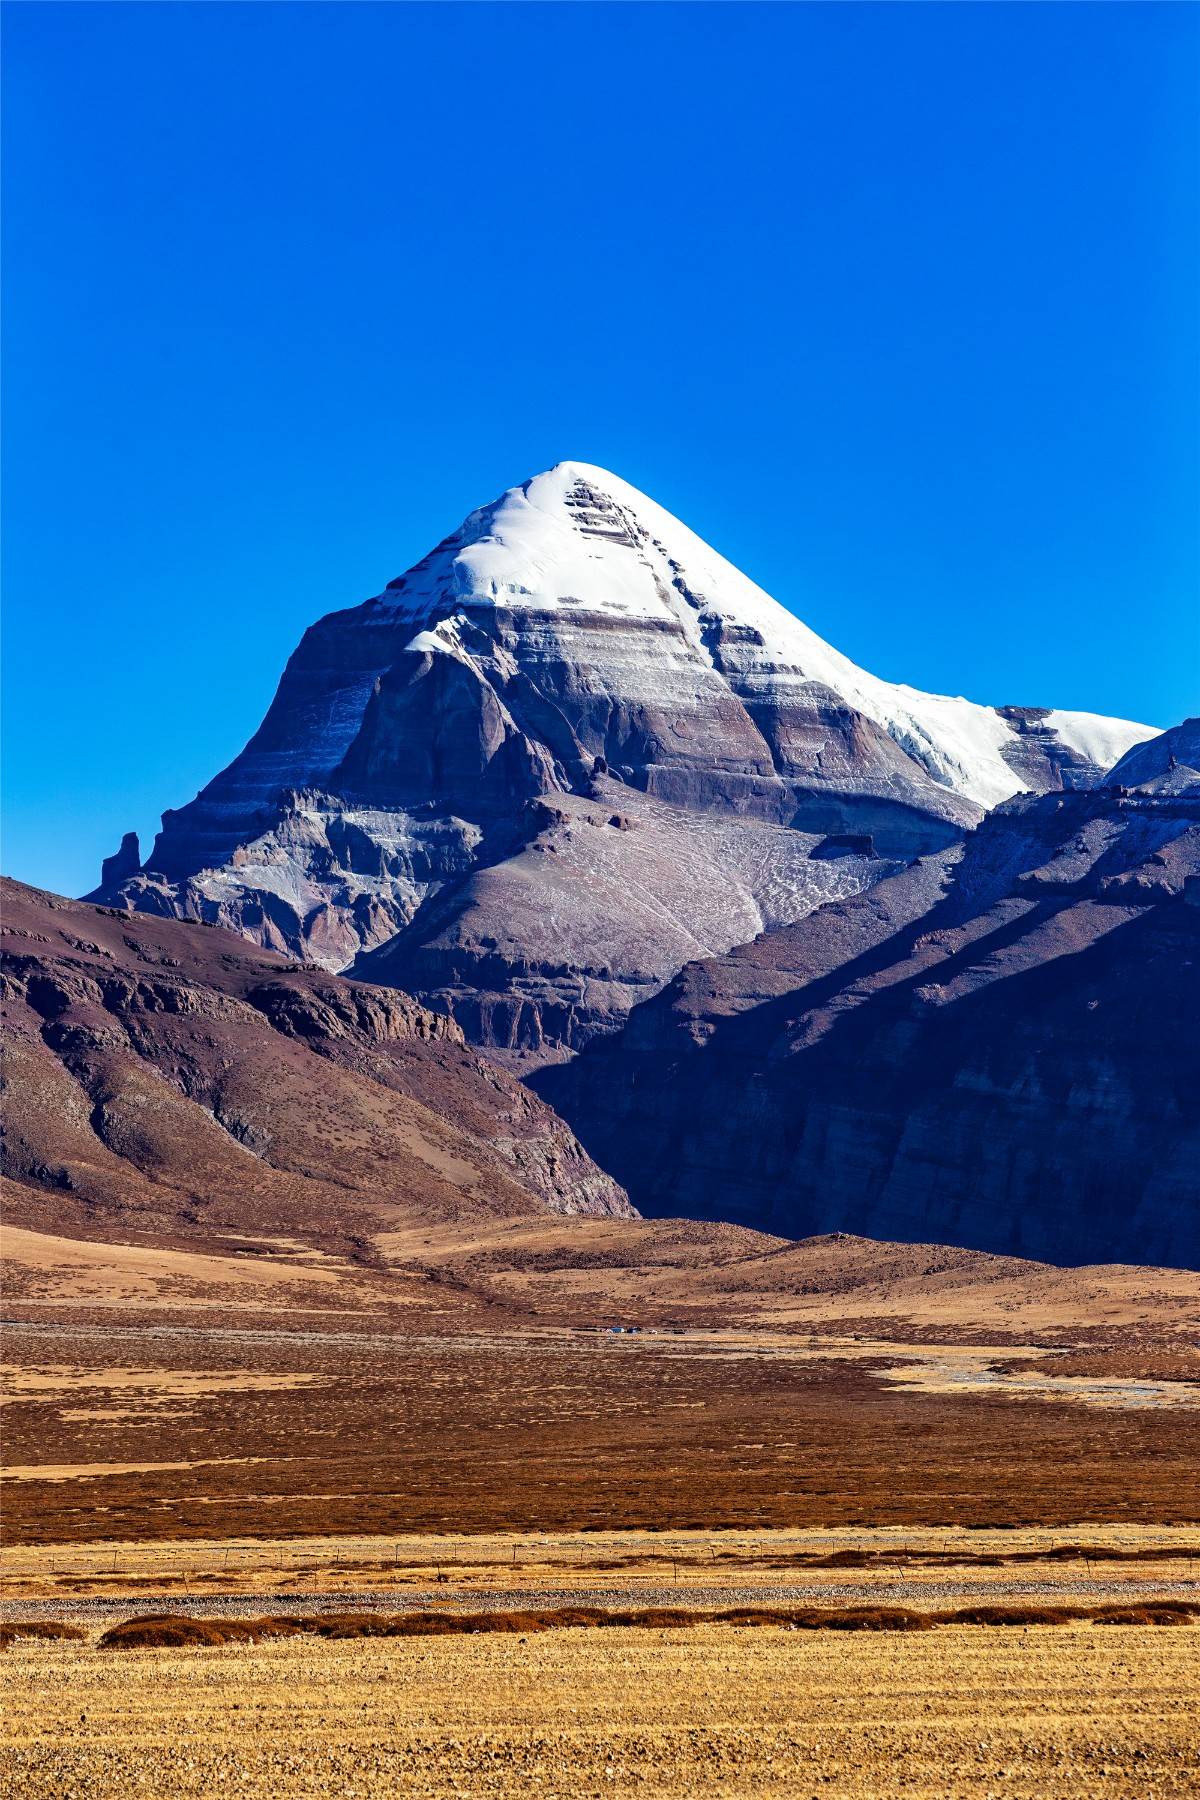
(577,539)
(572,749)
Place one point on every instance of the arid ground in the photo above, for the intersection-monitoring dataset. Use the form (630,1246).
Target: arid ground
(1050,1713)
(451,1423)
(473,1384)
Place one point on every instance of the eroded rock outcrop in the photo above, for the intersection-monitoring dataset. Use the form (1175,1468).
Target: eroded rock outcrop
(126,861)
(165,1078)
(996,1047)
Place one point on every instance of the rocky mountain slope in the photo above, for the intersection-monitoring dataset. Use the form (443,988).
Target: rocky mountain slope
(570,750)
(169,1082)
(995,1047)
(1169,763)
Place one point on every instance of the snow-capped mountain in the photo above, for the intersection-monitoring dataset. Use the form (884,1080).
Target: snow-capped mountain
(578,541)
(568,751)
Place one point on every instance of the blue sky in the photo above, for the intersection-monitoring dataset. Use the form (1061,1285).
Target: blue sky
(894,304)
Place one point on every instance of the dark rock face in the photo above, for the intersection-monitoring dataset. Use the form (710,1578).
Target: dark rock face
(996,1047)
(1169,763)
(435,730)
(573,645)
(126,862)
(1039,756)
(167,1078)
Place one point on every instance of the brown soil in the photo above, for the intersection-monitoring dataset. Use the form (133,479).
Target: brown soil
(557,1432)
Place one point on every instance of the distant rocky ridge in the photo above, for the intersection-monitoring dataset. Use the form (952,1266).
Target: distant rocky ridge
(569,751)
(1169,763)
(996,1047)
(170,1083)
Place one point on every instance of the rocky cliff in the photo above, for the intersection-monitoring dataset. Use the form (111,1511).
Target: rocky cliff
(568,751)
(995,1047)
(168,1081)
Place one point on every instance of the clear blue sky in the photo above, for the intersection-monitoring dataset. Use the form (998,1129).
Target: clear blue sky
(896,305)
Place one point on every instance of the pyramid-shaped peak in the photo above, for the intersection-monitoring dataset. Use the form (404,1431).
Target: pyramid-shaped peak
(590,499)
(574,537)
(589,474)
(571,477)
(580,497)
(578,550)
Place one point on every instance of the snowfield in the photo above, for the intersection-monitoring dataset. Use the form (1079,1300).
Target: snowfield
(578,539)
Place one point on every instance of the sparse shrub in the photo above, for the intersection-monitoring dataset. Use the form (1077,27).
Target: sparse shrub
(175,1631)
(422,1625)
(844,1559)
(502,1621)
(12,1629)
(858,1618)
(1152,1612)
(172,1630)
(346,1625)
(160,1633)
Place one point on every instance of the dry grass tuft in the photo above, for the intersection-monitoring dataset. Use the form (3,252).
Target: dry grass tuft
(422,1624)
(179,1631)
(827,1618)
(173,1630)
(170,1632)
(1152,1612)
(12,1629)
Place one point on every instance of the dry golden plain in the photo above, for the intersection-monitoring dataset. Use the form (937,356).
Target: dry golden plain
(450,1425)
(1036,1714)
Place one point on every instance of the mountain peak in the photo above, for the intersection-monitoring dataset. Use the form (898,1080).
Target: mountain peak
(575,741)
(590,473)
(575,536)
(581,544)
